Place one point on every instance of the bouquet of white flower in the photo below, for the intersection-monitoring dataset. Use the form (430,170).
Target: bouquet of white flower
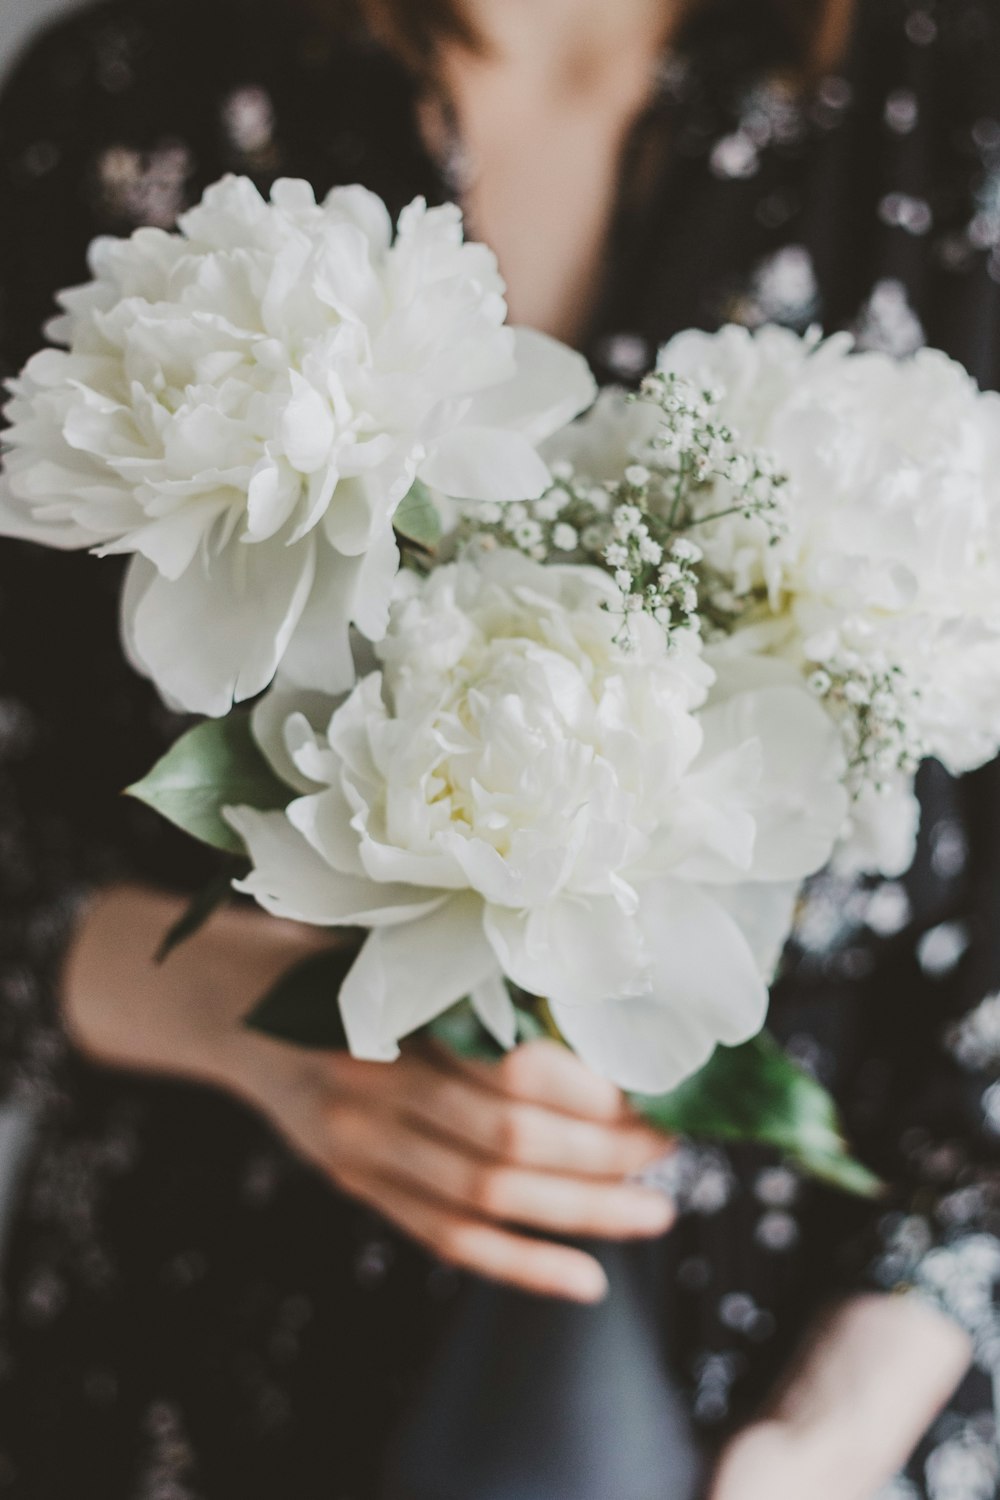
(614,690)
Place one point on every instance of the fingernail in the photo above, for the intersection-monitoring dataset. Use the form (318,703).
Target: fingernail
(588,1283)
(654,1213)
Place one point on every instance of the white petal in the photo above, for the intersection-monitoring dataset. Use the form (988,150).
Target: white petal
(765,914)
(324,821)
(799,802)
(18,520)
(485,463)
(217,633)
(373,591)
(283,702)
(307,427)
(705,989)
(492,1003)
(880,835)
(405,976)
(584,950)
(318,656)
(171,543)
(365,209)
(290,879)
(553,384)
(272,495)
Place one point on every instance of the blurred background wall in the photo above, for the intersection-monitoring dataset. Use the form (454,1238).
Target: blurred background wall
(19,19)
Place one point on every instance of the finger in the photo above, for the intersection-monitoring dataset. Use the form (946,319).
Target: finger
(462,1110)
(546,1072)
(530,1265)
(491,1190)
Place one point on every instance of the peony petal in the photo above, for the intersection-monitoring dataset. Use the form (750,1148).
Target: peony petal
(585,950)
(324,821)
(272,495)
(764,911)
(484,463)
(290,879)
(18,520)
(283,702)
(360,206)
(705,989)
(492,1003)
(373,589)
(216,634)
(405,976)
(318,656)
(553,384)
(799,803)
(307,427)
(171,542)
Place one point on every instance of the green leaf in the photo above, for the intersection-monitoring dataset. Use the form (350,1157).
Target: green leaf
(303,1007)
(203,905)
(461,1030)
(756,1093)
(215,765)
(417,517)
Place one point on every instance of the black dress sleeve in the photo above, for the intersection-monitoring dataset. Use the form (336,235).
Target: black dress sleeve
(76,726)
(926,1095)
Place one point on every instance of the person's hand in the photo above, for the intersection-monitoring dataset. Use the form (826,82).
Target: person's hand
(455,1153)
(869,1383)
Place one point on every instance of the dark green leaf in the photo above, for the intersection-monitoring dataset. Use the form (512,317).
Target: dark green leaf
(215,765)
(417,517)
(461,1030)
(303,1007)
(203,905)
(756,1093)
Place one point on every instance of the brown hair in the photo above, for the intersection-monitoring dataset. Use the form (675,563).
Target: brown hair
(817,30)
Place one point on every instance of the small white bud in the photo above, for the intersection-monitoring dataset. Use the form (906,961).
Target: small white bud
(565,537)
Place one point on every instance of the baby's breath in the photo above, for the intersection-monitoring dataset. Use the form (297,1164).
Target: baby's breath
(693,471)
(875,705)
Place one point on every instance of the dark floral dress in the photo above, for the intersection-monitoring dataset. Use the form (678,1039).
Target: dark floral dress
(190,1312)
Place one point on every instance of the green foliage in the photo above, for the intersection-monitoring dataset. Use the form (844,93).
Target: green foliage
(749,1093)
(461,1030)
(756,1093)
(203,905)
(417,517)
(303,1007)
(215,765)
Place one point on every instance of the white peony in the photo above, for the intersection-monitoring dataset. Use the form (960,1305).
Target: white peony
(893,545)
(511,796)
(244,404)
(891,561)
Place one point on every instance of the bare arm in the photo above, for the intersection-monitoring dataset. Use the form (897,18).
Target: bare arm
(867,1386)
(458,1155)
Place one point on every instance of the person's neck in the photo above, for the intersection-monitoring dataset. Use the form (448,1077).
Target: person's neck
(570,41)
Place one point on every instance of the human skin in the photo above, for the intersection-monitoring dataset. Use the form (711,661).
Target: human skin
(458,1155)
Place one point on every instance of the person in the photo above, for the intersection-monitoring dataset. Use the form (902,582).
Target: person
(231,1256)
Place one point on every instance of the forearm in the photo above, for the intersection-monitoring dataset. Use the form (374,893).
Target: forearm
(866,1387)
(881,1367)
(126,1010)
